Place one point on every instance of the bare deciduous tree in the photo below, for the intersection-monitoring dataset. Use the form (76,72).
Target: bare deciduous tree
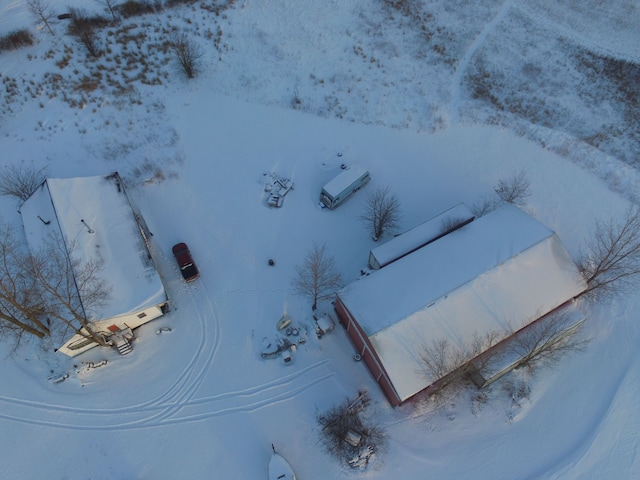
(111,6)
(347,436)
(48,293)
(514,189)
(447,364)
(382,211)
(83,28)
(483,207)
(441,358)
(612,261)
(42,11)
(188,54)
(21,180)
(548,339)
(317,277)
(21,308)
(451,223)
(71,289)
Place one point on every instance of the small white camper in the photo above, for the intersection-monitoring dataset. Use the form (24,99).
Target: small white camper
(349,181)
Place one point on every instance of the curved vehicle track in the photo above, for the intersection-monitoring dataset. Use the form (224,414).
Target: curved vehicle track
(463,64)
(178,403)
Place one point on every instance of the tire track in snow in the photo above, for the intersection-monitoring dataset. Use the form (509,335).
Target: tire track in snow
(174,394)
(463,64)
(260,389)
(163,409)
(178,396)
(252,406)
(188,381)
(183,396)
(244,400)
(257,396)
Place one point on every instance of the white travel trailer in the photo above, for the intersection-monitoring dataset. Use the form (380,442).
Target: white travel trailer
(419,236)
(342,186)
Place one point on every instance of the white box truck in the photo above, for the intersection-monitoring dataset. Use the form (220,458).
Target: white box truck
(342,186)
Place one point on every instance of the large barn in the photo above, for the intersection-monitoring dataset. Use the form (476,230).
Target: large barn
(496,275)
(94,219)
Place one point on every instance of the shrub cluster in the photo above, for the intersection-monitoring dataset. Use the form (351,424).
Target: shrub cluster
(134,8)
(81,22)
(176,3)
(16,39)
(347,436)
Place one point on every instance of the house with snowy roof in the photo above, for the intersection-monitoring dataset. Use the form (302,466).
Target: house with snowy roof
(96,222)
(497,275)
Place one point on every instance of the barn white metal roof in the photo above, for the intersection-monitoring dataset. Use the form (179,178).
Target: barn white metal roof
(497,274)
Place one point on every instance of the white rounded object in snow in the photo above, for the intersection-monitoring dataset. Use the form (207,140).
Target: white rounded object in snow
(279,468)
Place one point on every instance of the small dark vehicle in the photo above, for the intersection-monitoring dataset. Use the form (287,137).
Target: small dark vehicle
(185,262)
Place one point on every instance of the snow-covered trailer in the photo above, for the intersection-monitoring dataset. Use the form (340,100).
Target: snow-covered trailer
(420,235)
(342,186)
(95,222)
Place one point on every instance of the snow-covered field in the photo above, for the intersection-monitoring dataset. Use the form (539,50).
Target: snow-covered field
(438,100)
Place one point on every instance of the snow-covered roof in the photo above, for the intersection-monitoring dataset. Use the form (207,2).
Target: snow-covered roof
(420,234)
(344,179)
(498,273)
(96,220)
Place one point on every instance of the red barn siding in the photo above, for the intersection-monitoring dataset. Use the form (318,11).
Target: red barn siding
(364,348)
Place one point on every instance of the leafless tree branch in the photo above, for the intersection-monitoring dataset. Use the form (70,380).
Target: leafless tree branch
(188,54)
(21,308)
(381,212)
(109,5)
(21,181)
(447,365)
(345,432)
(483,206)
(84,29)
(47,293)
(42,11)
(612,262)
(72,289)
(548,339)
(317,277)
(514,189)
